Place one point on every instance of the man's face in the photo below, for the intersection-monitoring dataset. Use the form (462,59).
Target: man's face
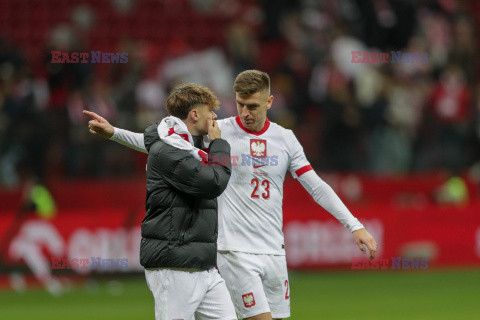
(204,113)
(253,109)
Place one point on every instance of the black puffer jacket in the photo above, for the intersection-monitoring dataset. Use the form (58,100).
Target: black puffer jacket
(181,224)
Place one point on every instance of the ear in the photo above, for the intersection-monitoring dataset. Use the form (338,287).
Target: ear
(269,103)
(193,114)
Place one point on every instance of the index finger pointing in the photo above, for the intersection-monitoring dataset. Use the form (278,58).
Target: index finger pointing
(93,115)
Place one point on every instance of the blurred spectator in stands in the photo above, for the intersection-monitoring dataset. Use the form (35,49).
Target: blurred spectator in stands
(435,29)
(405,100)
(463,48)
(22,103)
(122,6)
(241,46)
(83,155)
(477,115)
(385,24)
(204,6)
(372,93)
(341,129)
(63,79)
(474,141)
(150,96)
(11,62)
(281,112)
(83,18)
(208,67)
(449,110)
(377,118)
(125,77)
(273,12)
(292,79)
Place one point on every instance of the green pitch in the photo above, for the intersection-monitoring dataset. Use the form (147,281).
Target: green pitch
(323,295)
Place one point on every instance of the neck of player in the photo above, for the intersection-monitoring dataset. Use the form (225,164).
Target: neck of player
(260,126)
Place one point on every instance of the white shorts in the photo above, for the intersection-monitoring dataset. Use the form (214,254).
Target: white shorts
(258,283)
(184,295)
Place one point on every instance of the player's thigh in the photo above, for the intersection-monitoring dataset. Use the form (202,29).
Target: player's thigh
(242,274)
(177,294)
(216,304)
(277,286)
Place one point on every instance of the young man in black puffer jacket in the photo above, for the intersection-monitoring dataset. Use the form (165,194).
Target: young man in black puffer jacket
(179,231)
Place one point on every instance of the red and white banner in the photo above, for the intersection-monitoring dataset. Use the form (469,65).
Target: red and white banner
(404,223)
(110,235)
(106,226)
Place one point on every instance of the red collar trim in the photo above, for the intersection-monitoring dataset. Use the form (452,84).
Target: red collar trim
(265,127)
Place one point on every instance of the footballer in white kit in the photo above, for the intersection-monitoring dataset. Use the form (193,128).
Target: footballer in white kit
(251,246)
(251,250)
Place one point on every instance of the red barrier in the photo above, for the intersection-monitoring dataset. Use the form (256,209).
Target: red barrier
(447,235)
(110,235)
(103,219)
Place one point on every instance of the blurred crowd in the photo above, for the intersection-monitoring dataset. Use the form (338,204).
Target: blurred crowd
(390,118)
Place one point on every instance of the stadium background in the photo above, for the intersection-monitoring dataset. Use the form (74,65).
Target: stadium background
(400,143)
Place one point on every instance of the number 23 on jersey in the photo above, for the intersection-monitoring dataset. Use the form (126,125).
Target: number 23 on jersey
(256,193)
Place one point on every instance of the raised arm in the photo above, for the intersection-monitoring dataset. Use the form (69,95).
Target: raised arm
(100,126)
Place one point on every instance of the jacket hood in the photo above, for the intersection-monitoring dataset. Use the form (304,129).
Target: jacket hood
(151,135)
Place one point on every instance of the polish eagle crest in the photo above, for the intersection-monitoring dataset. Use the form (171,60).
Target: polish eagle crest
(258,148)
(248,300)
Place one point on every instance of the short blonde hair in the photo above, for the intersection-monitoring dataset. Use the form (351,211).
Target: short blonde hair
(251,81)
(185,97)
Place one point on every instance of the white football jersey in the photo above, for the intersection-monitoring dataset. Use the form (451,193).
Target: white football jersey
(250,209)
